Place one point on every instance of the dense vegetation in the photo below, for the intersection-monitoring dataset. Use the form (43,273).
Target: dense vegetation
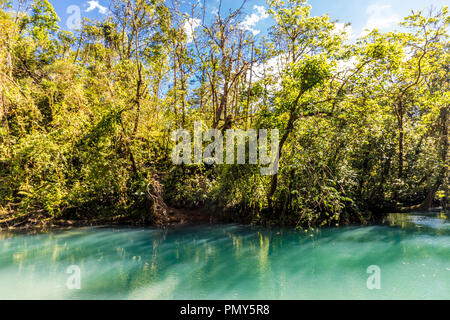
(86,117)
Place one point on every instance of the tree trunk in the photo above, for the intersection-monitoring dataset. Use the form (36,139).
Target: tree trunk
(444,155)
(274,182)
(401,138)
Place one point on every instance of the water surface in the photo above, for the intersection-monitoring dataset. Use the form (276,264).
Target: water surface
(232,262)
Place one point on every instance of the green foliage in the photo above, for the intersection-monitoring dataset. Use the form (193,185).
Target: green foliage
(86,118)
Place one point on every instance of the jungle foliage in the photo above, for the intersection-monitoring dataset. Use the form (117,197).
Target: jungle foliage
(86,117)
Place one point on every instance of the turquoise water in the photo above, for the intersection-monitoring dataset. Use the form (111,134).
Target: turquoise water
(231,262)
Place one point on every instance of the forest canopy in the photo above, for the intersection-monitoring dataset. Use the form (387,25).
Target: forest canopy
(86,117)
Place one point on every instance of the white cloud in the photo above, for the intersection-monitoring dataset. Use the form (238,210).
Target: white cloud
(272,68)
(341,28)
(189,27)
(250,21)
(349,65)
(381,16)
(96,5)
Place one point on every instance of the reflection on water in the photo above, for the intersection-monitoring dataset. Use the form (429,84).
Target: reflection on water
(435,220)
(232,262)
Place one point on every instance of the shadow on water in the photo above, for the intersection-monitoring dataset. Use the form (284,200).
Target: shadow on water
(232,262)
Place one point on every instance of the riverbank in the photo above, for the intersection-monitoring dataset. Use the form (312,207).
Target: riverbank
(40,222)
(173,217)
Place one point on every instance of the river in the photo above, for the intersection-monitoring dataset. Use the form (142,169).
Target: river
(408,257)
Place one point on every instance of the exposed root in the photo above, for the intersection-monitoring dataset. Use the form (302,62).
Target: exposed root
(158,206)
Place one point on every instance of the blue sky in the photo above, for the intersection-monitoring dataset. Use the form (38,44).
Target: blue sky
(382,14)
